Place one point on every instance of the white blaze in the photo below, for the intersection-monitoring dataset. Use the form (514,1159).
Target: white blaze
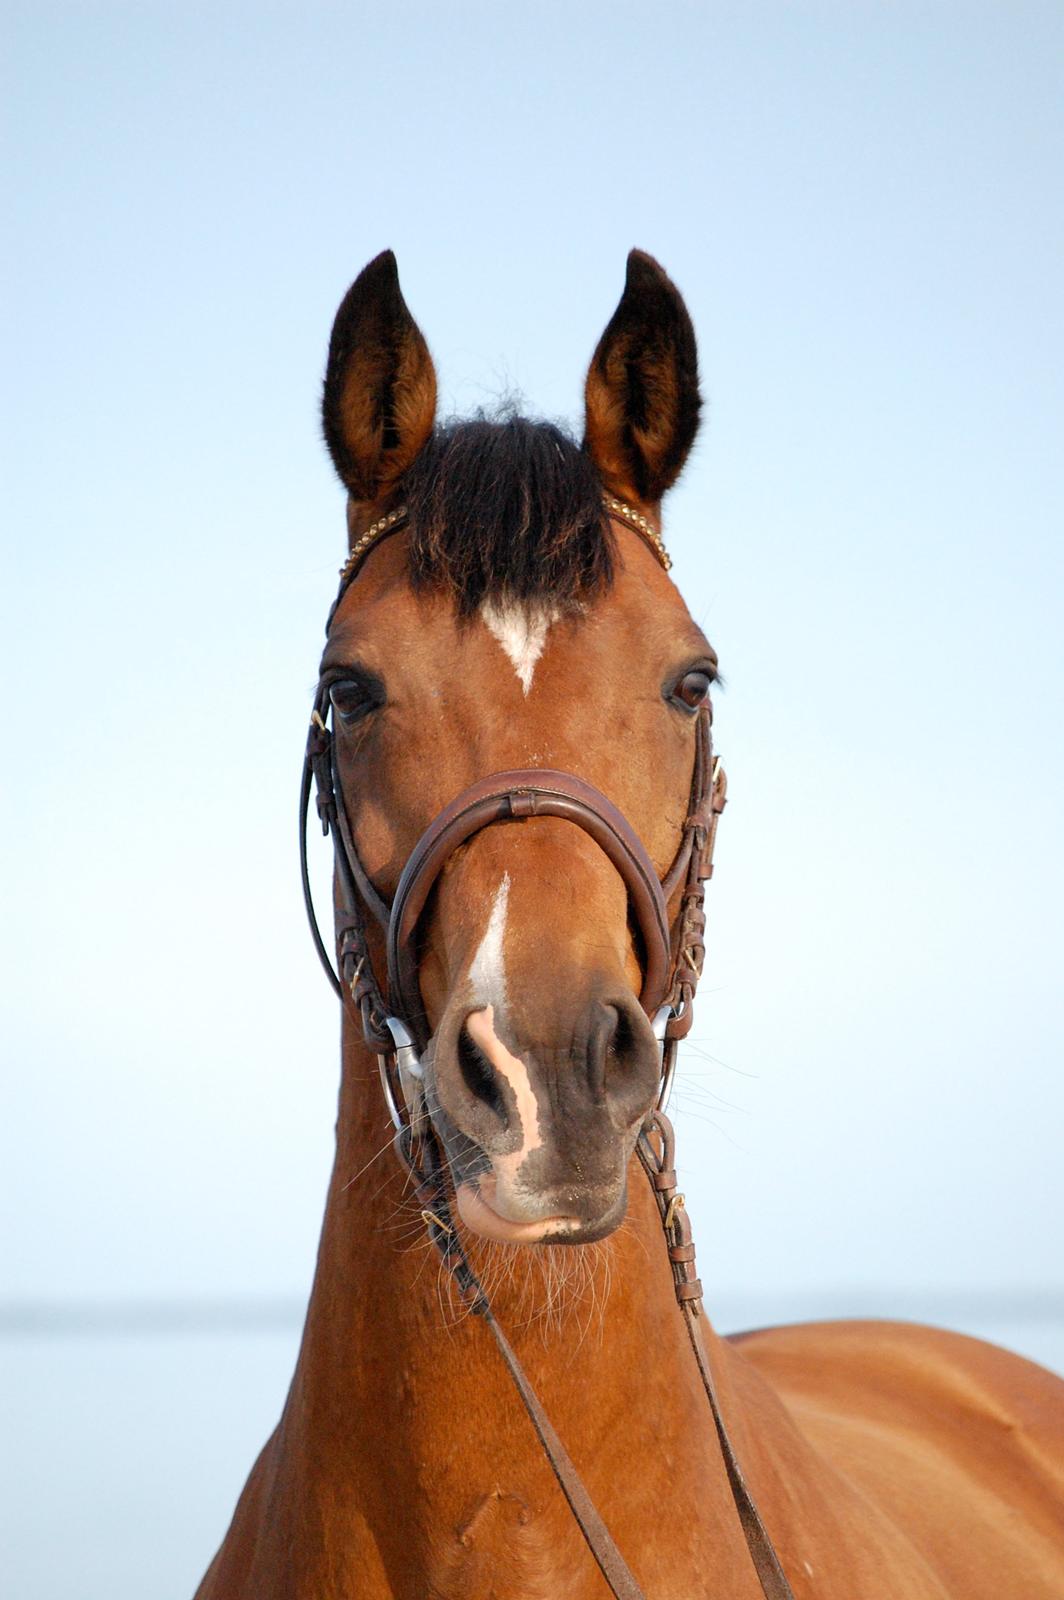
(487,981)
(487,972)
(521,630)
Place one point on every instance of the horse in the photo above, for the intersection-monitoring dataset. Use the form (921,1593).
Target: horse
(508,1384)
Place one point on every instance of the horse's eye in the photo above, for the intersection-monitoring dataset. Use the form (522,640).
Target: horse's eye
(352,700)
(692,690)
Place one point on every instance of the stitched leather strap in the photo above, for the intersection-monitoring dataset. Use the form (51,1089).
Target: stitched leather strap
(658,1164)
(670,966)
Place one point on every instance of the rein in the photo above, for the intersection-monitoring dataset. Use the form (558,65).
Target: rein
(395,1027)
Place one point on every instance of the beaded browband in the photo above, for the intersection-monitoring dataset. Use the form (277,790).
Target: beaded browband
(640,524)
(395,519)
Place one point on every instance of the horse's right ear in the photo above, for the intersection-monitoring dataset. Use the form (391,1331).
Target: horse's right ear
(379,402)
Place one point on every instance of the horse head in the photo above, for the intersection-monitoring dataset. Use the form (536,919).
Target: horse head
(518,623)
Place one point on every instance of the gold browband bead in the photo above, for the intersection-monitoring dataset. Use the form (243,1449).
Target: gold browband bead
(627,514)
(636,520)
(382,526)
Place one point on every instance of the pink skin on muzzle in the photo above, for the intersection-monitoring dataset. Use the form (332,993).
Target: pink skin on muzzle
(480,1205)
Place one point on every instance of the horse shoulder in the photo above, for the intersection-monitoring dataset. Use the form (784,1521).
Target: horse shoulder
(961,1443)
(287,1541)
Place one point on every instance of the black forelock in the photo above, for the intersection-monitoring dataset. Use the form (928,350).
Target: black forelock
(507,509)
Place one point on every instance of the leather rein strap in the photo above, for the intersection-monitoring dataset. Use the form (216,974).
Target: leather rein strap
(672,965)
(656,1150)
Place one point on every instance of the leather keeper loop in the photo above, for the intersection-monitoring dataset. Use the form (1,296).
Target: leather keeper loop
(665,1180)
(682,1252)
(680,1225)
(689,1291)
(679,1027)
(378,1040)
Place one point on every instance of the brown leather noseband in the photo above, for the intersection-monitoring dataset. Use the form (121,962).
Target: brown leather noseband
(393,1028)
(514,797)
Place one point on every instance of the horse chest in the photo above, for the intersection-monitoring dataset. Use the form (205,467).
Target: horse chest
(500,1551)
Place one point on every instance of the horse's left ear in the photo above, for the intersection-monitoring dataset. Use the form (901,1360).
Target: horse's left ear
(642,387)
(379,403)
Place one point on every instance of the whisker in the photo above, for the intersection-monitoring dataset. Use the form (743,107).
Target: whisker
(685,1087)
(387,1145)
(690,1046)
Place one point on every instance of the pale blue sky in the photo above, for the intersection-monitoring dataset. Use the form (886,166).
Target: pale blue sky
(861,204)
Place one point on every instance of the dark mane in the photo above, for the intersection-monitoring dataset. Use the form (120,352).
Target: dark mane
(507,510)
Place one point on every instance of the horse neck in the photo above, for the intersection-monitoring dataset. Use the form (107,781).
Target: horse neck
(375,1245)
(404,1465)
(394,1370)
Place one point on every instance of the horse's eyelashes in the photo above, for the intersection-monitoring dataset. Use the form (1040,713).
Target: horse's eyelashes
(354,698)
(691,690)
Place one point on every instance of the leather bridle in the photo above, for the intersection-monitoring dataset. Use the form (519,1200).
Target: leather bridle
(396,1029)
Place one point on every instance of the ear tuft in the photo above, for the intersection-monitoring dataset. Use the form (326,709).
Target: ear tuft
(379,400)
(642,399)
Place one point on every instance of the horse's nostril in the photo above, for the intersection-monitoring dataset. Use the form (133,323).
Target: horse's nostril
(610,1048)
(622,1061)
(479,1074)
(621,1045)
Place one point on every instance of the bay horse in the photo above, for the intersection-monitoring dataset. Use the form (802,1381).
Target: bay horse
(508,1385)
